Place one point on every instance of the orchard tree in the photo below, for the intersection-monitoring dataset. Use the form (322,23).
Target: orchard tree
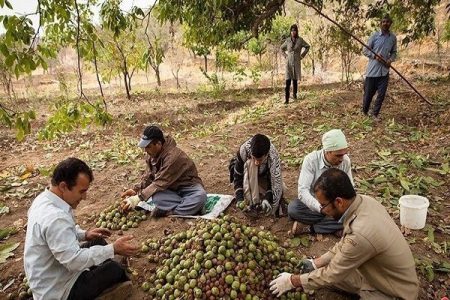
(157,37)
(122,44)
(352,20)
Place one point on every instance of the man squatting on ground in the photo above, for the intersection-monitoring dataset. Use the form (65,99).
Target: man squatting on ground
(306,209)
(56,266)
(171,181)
(372,259)
(256,174)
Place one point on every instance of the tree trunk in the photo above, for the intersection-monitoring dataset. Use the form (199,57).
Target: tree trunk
(205,57)
(96,73)
(158,77)
(127,87)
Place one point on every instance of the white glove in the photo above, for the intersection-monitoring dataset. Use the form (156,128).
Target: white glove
(131,202)
(281,284)
(266,206)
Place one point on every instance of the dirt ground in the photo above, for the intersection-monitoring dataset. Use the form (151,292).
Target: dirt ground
(210,130)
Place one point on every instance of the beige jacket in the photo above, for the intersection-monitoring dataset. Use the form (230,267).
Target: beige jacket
(373,245)
(172,169)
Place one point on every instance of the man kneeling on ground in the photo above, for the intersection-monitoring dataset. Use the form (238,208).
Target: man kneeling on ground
(171,181)
(306,209)
(372,259)
(56,266)
(256,174)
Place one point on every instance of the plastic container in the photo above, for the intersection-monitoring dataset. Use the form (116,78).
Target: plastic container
(413,211)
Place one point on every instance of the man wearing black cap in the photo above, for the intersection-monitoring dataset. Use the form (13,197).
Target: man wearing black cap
(293,45)
(256,174)
(171,181)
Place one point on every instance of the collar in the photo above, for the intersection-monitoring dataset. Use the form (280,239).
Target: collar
(57,201)
(341,220)
(350,214)
(322,160)
(380,33)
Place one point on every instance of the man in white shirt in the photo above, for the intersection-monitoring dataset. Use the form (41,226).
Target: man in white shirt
(56,266)
(306,209)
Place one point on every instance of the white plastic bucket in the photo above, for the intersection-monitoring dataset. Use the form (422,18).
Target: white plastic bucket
(413,211)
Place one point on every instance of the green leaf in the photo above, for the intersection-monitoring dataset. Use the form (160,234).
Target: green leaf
(431,235)
(8,4)
(3,209)
(4,49)
(405,184)
(430,273)
(10,60)
(6,232)
(6,251)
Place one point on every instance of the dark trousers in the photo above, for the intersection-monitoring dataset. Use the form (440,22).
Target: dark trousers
(90,284)
(371,86)
(288,89)
(320,223)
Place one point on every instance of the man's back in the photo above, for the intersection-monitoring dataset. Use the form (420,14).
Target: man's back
(391,268)
(48,278)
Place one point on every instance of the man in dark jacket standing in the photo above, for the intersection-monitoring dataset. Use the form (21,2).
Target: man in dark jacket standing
(171,181)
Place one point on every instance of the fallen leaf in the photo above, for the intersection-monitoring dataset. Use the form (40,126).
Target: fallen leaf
(6,251)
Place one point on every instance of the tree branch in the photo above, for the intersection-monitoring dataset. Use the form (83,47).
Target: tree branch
(39,26)
(364,45)
(7,110)
(80,75)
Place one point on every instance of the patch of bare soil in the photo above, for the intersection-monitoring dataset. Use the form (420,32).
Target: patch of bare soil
(211,130)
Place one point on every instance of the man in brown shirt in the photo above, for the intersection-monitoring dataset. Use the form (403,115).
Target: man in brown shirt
(171,181)
(372,259)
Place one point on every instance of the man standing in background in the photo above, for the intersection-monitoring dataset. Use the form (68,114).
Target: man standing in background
(384,44)
(292,50)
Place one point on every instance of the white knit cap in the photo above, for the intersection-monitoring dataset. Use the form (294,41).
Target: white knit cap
(334,140)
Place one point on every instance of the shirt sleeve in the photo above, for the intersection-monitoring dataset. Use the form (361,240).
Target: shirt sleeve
(167,175)
(348,169)
(352,252)
(283,47)
(370,43)
(238,180)
(306,46)
(393,54)
(63,243)
(305,180)
(81,234)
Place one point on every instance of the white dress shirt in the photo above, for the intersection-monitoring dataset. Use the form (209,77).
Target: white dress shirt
(314,164)
(53,259)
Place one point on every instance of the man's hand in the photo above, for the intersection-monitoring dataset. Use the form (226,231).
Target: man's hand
(92,234)
(128,193)
(307,266)
(379,57)
(265,205)
(124,246)
(388,63)
(281,284)
(130,203)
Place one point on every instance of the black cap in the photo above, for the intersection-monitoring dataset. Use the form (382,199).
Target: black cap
(151,133)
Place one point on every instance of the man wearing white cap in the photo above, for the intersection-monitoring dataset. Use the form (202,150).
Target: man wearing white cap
(171,181)
(306,209)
